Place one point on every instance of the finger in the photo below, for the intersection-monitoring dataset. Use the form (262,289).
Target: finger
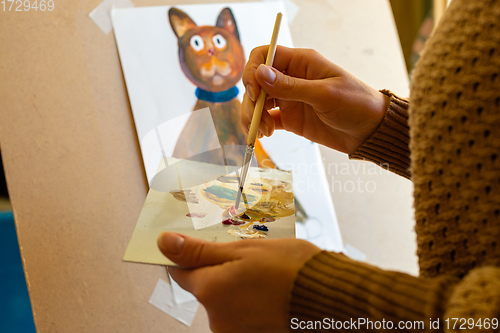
(266,123)
(186,278)
(245,113)
(300,63)
(276,115)
(286,87)
(266,126)
(282,58)
(249,107)
(191,252)
(257,57)
(202,281)
(270,104)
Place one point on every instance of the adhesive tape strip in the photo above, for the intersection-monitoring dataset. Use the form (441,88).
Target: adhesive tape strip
(163,299)
(101,15)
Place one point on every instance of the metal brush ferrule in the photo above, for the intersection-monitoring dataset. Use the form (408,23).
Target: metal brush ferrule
(246,165)
(244,172)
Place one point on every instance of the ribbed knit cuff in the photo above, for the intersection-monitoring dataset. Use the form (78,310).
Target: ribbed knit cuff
(332,286)
(389,143)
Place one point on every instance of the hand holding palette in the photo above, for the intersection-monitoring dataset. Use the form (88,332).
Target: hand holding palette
(196,199)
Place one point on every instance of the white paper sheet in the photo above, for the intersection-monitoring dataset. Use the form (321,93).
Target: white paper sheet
(161,96)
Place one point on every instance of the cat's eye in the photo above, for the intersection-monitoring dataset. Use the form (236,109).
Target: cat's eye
(219,41)
(197,43)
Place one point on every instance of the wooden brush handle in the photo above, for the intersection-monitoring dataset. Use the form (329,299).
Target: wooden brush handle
(259,106)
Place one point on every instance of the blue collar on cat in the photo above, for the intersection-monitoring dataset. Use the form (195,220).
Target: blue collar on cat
(217,97)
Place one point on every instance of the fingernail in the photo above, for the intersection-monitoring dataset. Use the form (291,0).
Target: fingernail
(250,93)
(171,243)
(260,136)
(267,74)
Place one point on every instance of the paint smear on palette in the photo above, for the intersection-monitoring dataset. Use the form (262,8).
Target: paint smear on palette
(250,230)
(247,233)
(224,196)
(246,230)
(185,195)
(228,179)
(275,200)
(197,215)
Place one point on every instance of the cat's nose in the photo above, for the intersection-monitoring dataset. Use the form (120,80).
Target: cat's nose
(211,52)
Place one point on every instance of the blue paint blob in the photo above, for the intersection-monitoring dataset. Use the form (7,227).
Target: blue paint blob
(261,227)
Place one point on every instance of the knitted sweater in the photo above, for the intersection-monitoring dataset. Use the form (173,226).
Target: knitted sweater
(447,141)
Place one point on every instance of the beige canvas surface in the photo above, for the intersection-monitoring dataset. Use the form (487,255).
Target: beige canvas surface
(75,174)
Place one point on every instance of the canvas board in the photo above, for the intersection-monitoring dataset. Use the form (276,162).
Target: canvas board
(77,142)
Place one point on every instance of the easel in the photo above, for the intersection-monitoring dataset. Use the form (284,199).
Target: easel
(75,175)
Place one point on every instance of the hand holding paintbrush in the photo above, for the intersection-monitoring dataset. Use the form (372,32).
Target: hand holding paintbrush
(257,114)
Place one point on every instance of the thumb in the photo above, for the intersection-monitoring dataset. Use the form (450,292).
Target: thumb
(191,252)
(279,85)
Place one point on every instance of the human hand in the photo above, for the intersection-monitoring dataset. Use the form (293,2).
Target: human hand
(244,285)
(316,98)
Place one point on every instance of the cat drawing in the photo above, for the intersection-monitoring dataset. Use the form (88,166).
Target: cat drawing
(212,58)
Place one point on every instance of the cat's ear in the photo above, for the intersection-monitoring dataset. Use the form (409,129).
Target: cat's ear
(180,22)
(226,21)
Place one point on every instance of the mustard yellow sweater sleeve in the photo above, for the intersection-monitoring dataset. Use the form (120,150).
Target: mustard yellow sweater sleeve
(333,286)
(389,144)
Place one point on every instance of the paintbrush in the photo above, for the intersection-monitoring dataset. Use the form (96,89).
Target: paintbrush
(257,113)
